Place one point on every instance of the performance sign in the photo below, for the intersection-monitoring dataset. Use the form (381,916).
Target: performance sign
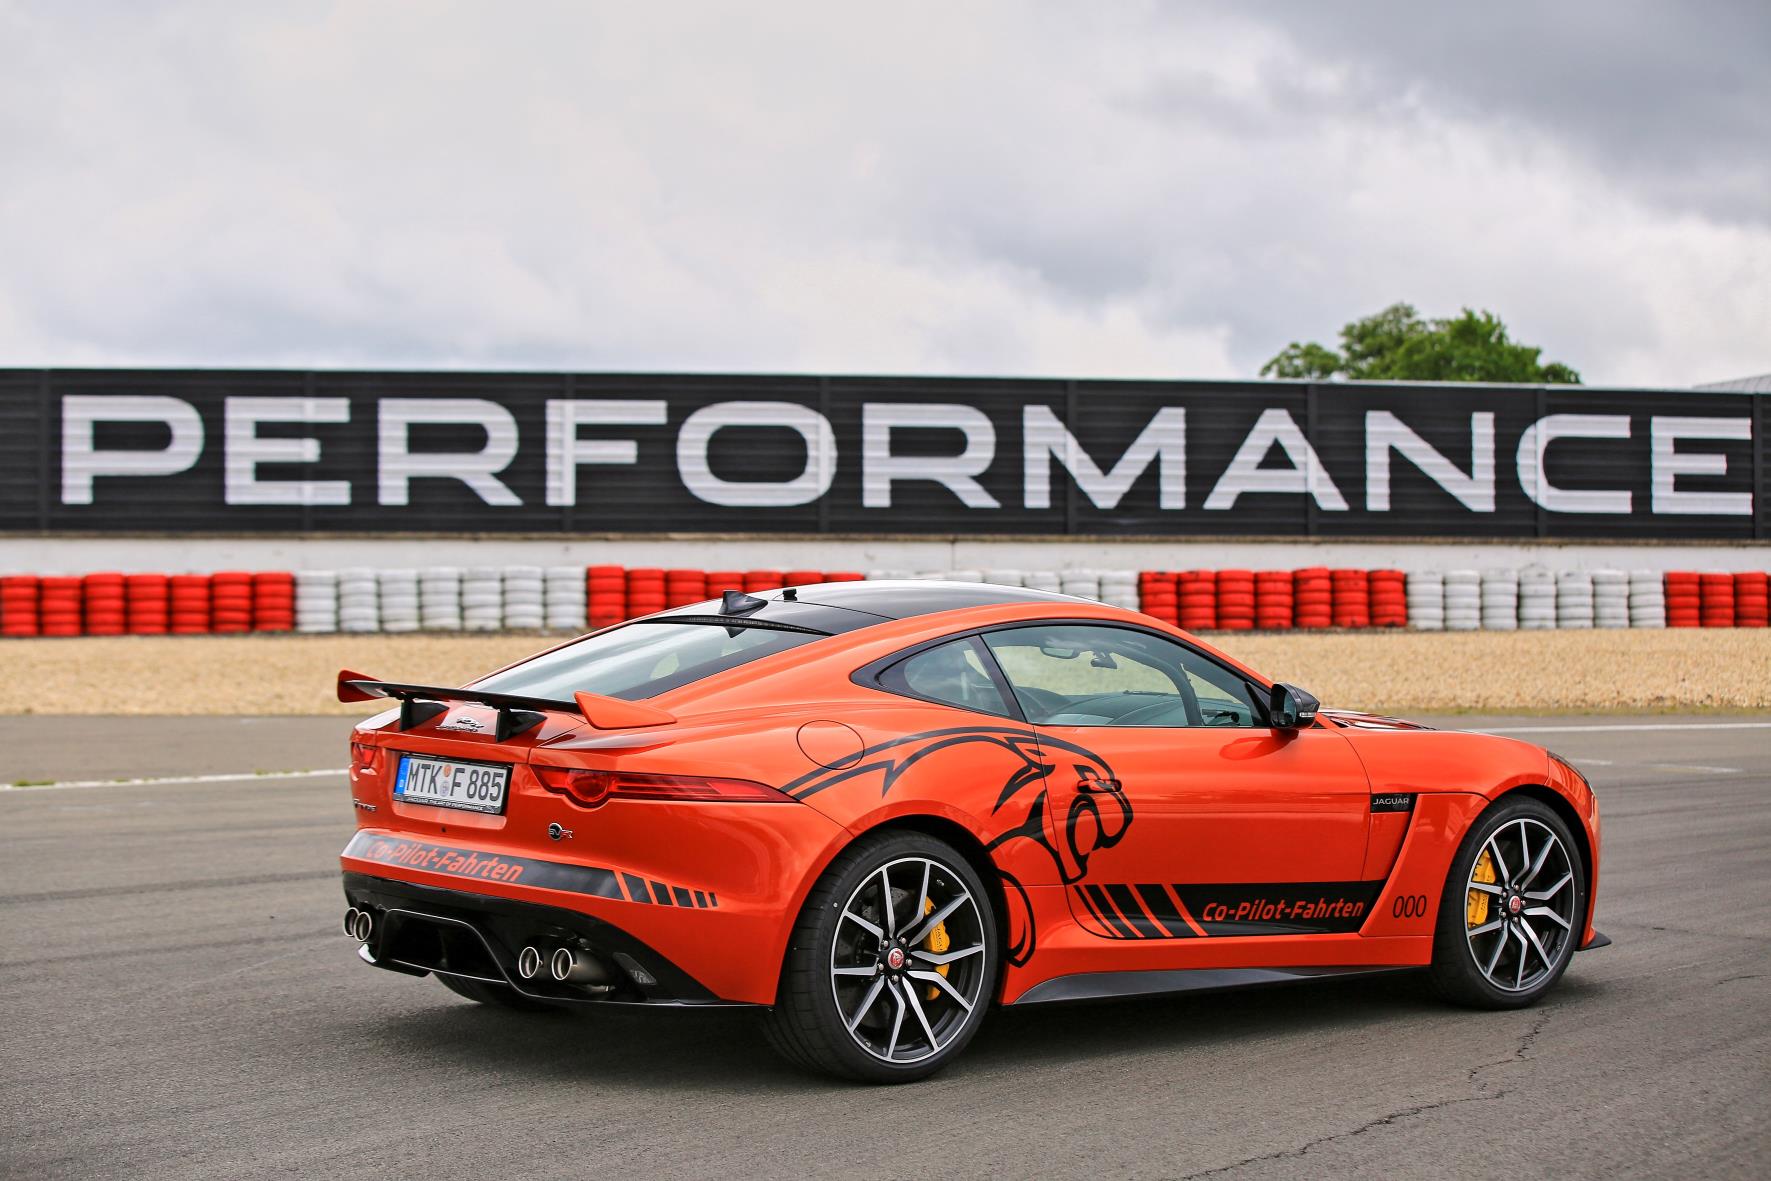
(268,452)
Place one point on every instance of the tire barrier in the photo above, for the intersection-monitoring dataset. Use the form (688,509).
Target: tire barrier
(571,599)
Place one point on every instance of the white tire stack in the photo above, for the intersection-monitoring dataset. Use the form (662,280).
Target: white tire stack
(1647,599)
(398,592)
(1084,584)
(439,599)
(1500,600)
(564,598)
(316,601)
(899,575)
(1426,600)
(964,576)
(1574,600)
(1003,577)
(358,603)
(482,599)
(1537,599)
(1463,600)
(524,606)
(1045,580)
(1611,598)
(1119,588)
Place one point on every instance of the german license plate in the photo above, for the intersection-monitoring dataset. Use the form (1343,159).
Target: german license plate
(449,783)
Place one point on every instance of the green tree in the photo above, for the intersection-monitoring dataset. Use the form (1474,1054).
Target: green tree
(1397,345)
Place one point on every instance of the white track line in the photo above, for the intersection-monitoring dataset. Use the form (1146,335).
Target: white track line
(1628,729)
(63,783)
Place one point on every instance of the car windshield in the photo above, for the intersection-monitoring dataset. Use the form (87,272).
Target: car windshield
(642,660)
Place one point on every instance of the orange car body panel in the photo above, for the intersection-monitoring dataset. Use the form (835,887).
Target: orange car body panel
(1205,817)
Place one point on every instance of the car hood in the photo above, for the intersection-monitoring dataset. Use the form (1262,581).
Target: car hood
(1364,721)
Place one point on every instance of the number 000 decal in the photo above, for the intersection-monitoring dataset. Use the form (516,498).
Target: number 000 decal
(1408,906)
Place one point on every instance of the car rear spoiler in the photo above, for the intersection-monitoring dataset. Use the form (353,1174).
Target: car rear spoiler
(516,713)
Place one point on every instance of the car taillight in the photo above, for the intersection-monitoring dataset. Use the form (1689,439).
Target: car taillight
(364,756)
(590,789)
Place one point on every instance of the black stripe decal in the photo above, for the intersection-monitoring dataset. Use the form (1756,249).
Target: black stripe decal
(1163,911)
(1082,894)
(1128,906)
(429,857)
(636,888)
(1120,928)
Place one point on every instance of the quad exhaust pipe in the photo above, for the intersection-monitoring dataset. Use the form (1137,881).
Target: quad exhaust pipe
(359,924)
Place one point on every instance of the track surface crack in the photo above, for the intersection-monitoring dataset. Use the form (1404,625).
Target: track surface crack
(1488,1089)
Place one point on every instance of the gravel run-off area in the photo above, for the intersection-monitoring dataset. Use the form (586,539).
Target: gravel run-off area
(1726,670)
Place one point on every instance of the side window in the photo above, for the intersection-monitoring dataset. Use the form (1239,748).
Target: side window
(1082,675)
(1225,699)
(952,673)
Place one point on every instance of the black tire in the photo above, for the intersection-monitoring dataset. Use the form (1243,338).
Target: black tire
(808,1024)
(499,995)
(1519,974)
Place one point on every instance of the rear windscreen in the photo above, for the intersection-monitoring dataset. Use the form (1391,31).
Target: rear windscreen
(642,660)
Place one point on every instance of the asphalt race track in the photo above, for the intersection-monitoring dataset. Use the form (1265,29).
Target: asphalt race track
(179,1003)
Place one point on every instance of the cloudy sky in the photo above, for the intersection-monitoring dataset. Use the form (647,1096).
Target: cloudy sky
(1157,189)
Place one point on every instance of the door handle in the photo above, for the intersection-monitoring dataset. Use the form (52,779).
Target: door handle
(1097,783)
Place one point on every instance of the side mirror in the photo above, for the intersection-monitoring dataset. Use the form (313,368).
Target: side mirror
(1292,708)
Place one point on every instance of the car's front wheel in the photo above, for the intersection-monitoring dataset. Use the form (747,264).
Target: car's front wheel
(891,965)
(1513,908)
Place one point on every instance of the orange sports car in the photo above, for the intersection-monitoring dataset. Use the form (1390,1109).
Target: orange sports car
(873,810)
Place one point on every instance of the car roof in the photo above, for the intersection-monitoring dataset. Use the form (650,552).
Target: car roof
(901,598)
(838,607)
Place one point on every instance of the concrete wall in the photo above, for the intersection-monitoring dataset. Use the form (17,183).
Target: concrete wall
(79,555)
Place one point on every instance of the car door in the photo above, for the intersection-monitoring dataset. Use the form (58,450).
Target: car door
(1235,827)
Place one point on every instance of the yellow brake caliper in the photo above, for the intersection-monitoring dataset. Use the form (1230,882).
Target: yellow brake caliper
(939,941)
(1477,912)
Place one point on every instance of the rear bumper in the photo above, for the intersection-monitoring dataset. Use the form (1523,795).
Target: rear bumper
(712,889)
(422,929)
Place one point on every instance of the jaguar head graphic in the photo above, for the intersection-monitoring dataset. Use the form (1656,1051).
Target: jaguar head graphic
(1052,802)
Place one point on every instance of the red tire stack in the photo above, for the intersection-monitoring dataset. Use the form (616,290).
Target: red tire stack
(1716,591)
(1352,598)
(1196,600)
(150,604)
(1235,600)
(18,605)
(190,605)
(844,576)
(1157,596)
(102,604)
(682,587)
(273,601)
(1752,599)
(230,602)
(1312,598)
(645,592)
(761,580)
(1273,600)
(605,595)
(802,578)
(721,581)
(58,606)
(1684,599)
(1389,598)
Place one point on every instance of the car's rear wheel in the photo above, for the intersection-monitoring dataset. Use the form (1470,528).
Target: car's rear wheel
(1513,908)
(500,995)
(891,965)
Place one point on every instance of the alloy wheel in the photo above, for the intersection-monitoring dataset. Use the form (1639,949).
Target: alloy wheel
(909,963)
(1519,905)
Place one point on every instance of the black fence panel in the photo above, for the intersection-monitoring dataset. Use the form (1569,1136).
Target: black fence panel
(162,451)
